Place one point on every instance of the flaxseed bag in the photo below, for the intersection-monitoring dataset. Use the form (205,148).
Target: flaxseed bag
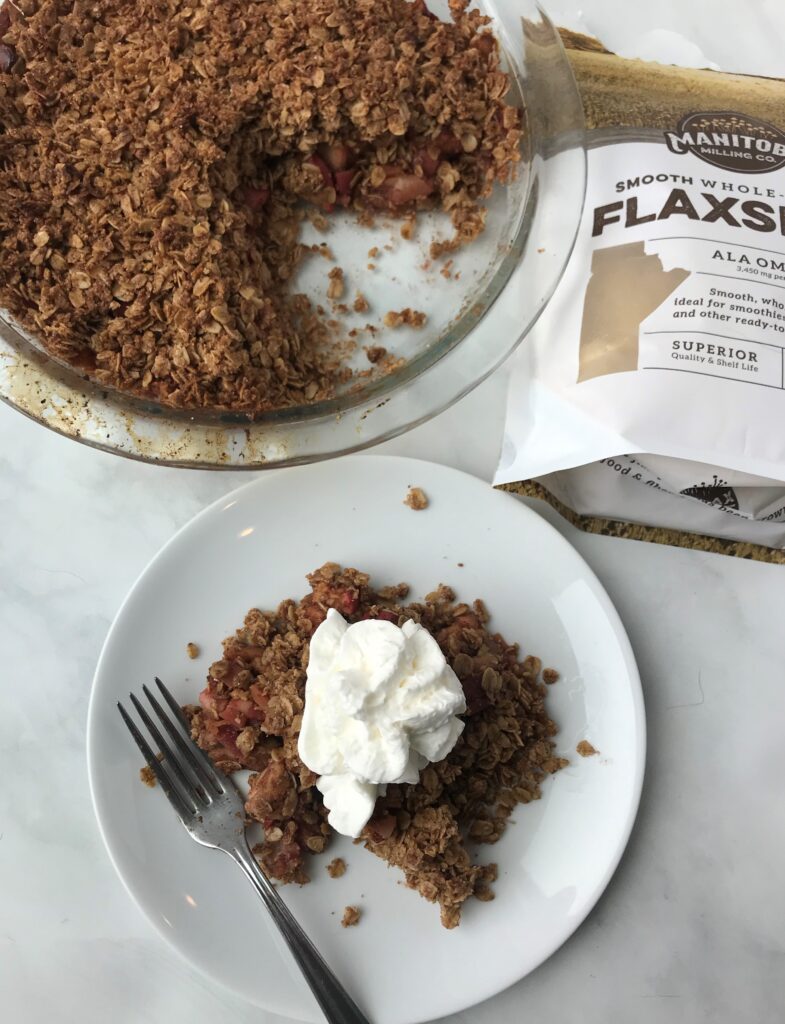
(650,399)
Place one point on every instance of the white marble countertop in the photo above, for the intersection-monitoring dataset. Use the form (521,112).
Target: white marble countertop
(692,927)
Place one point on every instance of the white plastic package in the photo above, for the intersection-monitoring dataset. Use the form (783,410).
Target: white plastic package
(652,390)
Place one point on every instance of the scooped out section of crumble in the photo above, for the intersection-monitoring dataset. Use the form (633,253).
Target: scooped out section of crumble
(250,715)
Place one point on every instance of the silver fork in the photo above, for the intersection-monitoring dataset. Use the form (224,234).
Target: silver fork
(211,809)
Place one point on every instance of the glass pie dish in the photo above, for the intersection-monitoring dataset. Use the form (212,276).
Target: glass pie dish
(479,306)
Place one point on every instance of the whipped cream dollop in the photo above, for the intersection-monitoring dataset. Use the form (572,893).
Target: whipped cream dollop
(380,703)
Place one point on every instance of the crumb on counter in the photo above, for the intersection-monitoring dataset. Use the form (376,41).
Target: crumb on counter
(416,498)
(585,749)
(351,915)
(147,775)
(337,867)
(361,304)
(335,289)
(192,650)
(405,317)
(550,676)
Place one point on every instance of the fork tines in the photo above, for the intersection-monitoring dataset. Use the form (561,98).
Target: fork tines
(185,773)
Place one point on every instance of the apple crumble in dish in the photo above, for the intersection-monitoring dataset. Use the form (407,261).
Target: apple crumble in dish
(157,161)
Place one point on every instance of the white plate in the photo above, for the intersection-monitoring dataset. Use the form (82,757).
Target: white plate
(254,548)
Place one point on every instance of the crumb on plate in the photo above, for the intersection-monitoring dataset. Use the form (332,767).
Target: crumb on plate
(416,498)
(585,749)
(351,915)
(337,867)
(192,650)
(550,676)
(147,775)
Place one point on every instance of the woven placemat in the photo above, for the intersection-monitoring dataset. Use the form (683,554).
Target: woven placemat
(618,92)
(651,534)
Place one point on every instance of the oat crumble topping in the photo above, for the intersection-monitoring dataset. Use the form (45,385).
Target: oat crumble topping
(585,749)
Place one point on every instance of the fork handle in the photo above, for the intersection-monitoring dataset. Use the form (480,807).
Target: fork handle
(336,1003)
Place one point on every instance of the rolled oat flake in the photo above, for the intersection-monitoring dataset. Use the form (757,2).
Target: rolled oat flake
(650,400)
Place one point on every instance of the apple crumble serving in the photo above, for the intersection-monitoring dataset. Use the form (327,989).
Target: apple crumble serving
(158,160)
(250,714)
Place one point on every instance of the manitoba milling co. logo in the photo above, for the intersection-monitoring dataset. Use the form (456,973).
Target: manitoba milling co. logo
(734,142)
